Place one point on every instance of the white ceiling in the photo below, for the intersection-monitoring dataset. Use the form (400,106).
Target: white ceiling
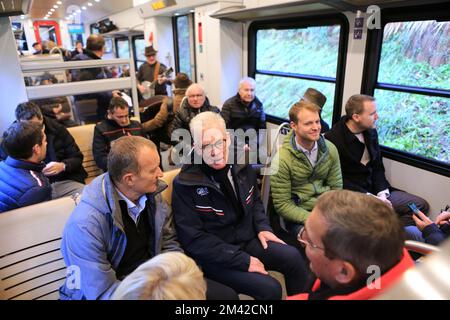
(97,11)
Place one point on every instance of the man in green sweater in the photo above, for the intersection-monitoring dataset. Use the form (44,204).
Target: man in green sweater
(306,166)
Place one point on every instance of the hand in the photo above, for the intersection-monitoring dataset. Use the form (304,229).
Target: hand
(53,168)
(246,148)
(265,236)
(421,220)
(116,93)
(141,88)
(385,200)
(443,218)
(256,266)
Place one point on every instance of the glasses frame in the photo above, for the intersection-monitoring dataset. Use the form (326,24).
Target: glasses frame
(305,243)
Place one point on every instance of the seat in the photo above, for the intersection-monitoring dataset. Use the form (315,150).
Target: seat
(85,111)
(84,135)
(168,179)
(31,264)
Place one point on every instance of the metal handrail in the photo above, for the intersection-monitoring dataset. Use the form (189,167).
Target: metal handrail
(34,66)
(420,247)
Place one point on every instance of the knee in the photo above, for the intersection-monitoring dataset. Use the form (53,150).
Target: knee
(270,289)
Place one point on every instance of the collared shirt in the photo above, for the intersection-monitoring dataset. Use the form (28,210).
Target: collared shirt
(134,210)
(311,155)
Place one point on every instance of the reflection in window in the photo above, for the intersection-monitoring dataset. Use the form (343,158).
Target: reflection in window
(414,62)
(289,61)
(123,49)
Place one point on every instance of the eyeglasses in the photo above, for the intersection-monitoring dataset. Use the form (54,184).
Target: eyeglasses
(192,96)
(301,237)
(219,144)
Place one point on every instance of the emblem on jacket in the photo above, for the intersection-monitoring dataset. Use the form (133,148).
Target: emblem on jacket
(202,191)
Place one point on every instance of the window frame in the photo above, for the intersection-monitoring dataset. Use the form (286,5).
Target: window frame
(438,12)
(191,16)
(303,22)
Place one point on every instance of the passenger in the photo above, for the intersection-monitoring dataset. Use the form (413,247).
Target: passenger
(95,49)
(78,49)
(356,139)
(433,233)
(117,124)
(159,128)
(317,97)
(245,111)
(306,166)
(120,223)
(221,223)
(152,70)
(38,49)
(22,182)
(64,160)
(167,276)
(349,237)
(195,103)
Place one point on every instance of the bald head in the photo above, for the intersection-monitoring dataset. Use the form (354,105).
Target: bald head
(196,95)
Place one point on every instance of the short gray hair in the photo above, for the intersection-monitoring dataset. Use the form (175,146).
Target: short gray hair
(207,119)
(167,276)
(123,156)
(247,79)
(192,86)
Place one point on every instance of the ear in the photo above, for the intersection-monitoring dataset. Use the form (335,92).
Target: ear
(356,117)
(36,149)
(128,179)
(346,273)
(293,125)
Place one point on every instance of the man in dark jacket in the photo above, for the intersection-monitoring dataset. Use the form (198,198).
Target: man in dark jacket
(117,124)
(21,180)
(355,136)
(64,160)
(95,49)
(121,222)
(220,219)
(245,111)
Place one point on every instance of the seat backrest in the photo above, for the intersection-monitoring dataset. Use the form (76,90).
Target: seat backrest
(84,135)
(31,264)
(168,178)
(85,111)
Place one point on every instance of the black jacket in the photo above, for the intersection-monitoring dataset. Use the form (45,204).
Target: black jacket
(61,147)
(185,114)
(356,176)
(239,116)
(207,226)
(107,131)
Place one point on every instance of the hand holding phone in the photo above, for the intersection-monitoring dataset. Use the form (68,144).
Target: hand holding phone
(413,208)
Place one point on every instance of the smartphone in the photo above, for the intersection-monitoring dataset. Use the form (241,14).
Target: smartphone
(413,208)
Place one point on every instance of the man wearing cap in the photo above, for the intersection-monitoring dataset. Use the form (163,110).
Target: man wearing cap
(152,70)
(317,97)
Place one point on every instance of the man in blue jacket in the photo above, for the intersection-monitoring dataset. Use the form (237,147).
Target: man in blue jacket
(120,223)
(220,219)
(22,182)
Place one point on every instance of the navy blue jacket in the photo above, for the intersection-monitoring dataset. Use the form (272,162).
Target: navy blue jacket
(22,184)
(356,176)
(205,220)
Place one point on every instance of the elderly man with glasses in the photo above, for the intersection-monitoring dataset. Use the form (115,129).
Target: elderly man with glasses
(355,245)
(220,219)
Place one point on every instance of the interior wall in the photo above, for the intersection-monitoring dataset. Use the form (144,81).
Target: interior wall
(11,80)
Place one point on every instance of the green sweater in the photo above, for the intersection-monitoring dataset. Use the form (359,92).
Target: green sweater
(296,185)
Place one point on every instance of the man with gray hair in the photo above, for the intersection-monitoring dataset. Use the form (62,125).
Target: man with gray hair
(220,219)
(120,223)
(245,111)
(355,246)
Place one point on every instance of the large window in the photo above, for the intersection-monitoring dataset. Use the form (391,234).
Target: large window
(410,80)
(184,45)
(139,45)
(286,58)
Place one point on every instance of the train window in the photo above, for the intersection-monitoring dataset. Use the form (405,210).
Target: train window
(184,44)
(409,79)
(123,48)
(139,48)
(288,57)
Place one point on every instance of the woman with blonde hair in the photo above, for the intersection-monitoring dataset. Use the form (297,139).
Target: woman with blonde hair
(167,276)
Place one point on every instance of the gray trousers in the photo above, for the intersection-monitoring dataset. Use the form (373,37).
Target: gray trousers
(66,188)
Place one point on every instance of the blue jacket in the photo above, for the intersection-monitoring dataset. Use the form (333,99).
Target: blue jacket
(22,184)
(206,224)
(94,241)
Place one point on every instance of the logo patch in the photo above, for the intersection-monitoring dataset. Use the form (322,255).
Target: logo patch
(202,191)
